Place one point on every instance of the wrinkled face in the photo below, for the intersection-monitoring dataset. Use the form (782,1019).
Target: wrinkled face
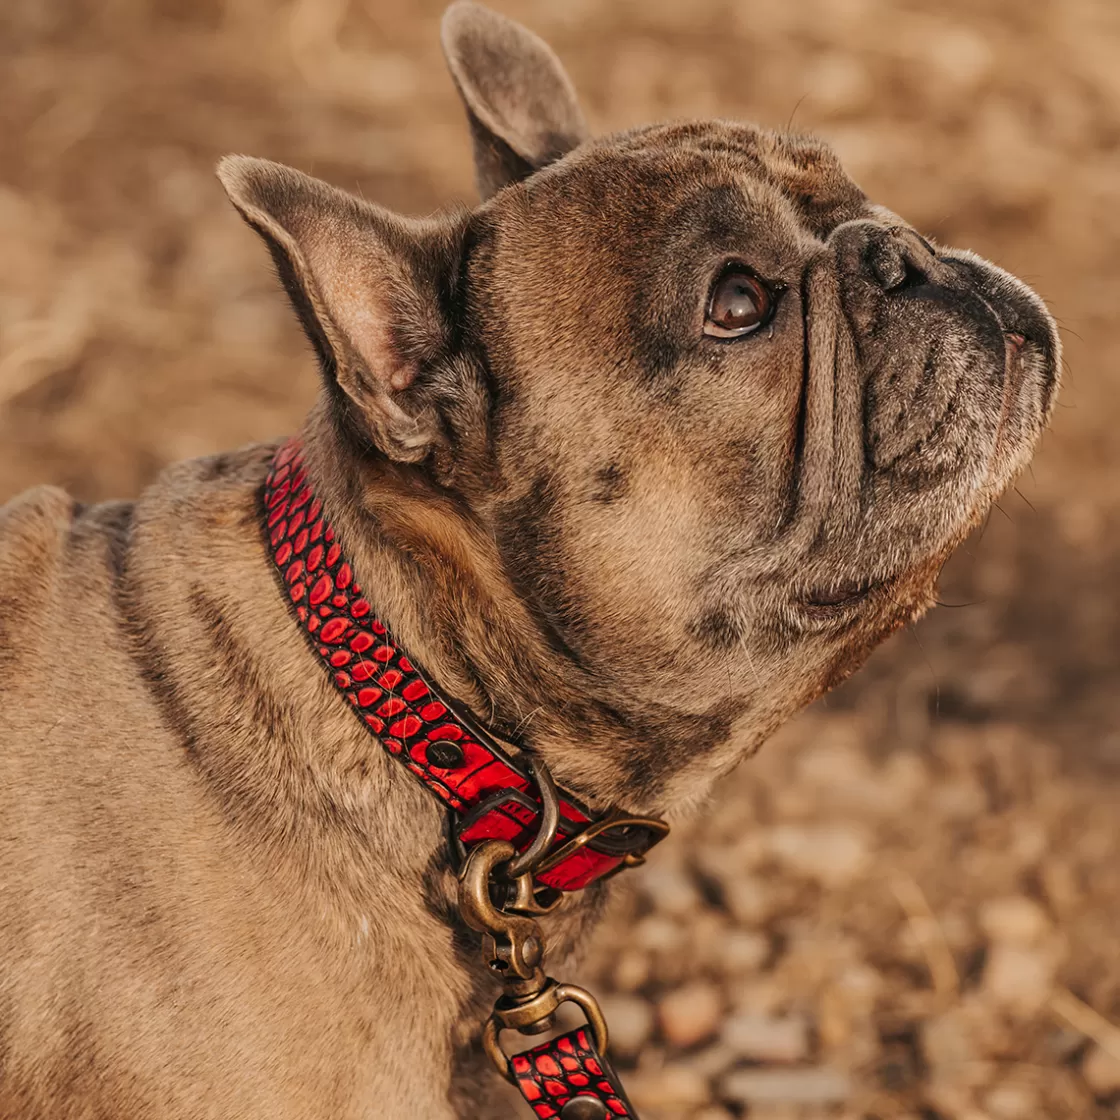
(719,417)
(741,413)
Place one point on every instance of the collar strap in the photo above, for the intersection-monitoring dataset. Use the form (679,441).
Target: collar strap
(491,794)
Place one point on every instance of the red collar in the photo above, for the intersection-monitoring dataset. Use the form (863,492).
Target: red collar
(491,794)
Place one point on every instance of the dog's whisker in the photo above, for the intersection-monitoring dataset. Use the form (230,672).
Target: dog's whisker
(751,665)
(524,722)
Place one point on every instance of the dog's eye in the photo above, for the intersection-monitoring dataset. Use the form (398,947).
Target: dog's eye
(740,303)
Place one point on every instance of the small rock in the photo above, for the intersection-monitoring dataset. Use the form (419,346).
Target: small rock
(708,933)
(834,855)
(671,890)
(1013,1101)
(786,1086)
(744,951)
(740,854)
(749,899)
(793,802)
(764,1039)
(1101,1072)
(713,1060)
(1015,920)
(845,1013)
(631,1023)
(761,995)
(659,934)
(669,1090)
(1029,841)
(691,1014)
(631,970)
(960,799)
(835,765)
(904,777)
(955,1101)
(957,928)
(947,1041)
(861,986)
(1061,1043)
(1060,883)
(1019,977)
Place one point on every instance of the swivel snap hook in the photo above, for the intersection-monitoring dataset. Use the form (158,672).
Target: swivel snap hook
(513,943)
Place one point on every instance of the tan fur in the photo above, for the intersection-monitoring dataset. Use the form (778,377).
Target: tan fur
(613,538)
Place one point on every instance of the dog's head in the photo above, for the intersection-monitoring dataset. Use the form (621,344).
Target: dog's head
(723,416)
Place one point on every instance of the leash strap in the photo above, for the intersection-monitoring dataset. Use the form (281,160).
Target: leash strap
(568,1078)
(494,797)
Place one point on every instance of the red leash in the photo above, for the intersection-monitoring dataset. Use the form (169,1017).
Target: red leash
(569,1078)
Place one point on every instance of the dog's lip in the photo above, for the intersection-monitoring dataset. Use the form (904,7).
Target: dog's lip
(836,596)
(1015,345)
(1025,325)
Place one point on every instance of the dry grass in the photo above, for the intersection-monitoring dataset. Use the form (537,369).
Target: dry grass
(139,323)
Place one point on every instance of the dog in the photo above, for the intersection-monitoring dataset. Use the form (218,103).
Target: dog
(631,461)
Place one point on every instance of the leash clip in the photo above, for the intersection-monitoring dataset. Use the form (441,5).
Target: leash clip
(513,945)
(498,898)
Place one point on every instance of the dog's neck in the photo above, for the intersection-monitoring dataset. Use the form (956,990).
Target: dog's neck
(435,576)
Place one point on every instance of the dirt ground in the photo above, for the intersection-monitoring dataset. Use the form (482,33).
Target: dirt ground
(909,905)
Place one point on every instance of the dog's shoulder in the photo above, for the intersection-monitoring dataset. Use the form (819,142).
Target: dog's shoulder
(32,519)
(34,527)
(55,549)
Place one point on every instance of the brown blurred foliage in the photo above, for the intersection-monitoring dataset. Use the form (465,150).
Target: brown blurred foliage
(140,323)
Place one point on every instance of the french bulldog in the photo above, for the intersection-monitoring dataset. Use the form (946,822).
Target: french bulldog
(635,459)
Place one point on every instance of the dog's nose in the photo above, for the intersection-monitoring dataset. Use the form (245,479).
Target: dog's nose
(895,258)
(892,258)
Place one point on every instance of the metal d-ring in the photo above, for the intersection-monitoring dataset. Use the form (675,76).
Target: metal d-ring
(527,861)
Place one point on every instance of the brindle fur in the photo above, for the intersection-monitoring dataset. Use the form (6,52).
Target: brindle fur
(590,522)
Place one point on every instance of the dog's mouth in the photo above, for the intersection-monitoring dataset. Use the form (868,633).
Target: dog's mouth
(842,598)
(970,382)
(1015,345)
(920,398)
(1031,345)
(832,597)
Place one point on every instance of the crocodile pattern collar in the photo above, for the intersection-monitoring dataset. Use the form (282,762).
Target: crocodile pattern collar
(489,791)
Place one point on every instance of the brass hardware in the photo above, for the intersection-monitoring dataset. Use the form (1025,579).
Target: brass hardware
(615,818)
(584,1107)
(524,1015)
(512,943)
(526,863)
(445,754)
(529,899)
(514,948)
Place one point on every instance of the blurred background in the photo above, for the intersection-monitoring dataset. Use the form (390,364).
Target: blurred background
(909,905)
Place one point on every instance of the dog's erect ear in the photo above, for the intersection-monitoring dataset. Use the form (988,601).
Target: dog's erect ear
(366,285)
(522,107)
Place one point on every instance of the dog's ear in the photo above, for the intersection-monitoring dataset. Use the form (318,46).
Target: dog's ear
(369,288)
(521,104)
